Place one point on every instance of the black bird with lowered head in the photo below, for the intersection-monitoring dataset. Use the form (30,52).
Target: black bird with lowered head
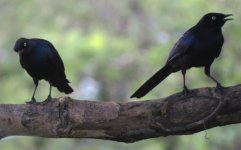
(198,47)
(42,61)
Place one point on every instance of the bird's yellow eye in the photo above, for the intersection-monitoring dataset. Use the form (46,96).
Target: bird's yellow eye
(213,18)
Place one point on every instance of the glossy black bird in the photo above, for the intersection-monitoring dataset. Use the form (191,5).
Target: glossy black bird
(42,61)
(198,47)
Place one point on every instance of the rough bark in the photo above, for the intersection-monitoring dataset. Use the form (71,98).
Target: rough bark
(124,122)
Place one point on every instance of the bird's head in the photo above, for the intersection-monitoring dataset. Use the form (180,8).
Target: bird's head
(22,45)
(214,20)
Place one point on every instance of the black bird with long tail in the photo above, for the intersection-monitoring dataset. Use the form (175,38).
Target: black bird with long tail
(42,61)
(198,47)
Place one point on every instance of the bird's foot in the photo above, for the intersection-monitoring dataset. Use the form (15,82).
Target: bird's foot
(185,91)
(48,99)
(32,101)
(219,87)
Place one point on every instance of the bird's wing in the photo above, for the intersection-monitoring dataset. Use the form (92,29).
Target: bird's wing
(182,47)
(54,58)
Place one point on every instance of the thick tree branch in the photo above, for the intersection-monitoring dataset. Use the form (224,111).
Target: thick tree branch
(124,122)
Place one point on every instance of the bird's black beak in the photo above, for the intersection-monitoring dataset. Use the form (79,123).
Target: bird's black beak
(226,19)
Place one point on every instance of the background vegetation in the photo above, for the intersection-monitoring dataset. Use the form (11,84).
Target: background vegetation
(110,48)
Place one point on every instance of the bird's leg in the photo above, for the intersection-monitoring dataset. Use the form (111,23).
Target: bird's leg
(185,89)
(218,84)
(49,98)
(33,100)
(50,90)
(207,72)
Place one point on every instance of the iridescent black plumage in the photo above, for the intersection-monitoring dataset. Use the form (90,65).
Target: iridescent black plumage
(198,47)
(42,61)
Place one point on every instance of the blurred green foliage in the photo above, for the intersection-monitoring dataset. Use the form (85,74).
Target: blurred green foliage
(112,47)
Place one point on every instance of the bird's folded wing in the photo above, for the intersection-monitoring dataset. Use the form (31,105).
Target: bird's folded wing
(54,58)
(182,47)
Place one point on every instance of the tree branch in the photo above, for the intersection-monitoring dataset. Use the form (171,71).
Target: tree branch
(124,122)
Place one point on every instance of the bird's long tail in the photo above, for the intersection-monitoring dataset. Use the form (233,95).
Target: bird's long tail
(63,86)
(153,81)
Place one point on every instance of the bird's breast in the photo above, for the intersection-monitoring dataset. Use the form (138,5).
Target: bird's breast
(37,67)
(205,50)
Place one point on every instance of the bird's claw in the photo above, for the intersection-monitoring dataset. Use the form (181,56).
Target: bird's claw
(48,99)
(185,91)
(219,87)
(32,101)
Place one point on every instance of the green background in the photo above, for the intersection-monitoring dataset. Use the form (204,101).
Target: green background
(110,48)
